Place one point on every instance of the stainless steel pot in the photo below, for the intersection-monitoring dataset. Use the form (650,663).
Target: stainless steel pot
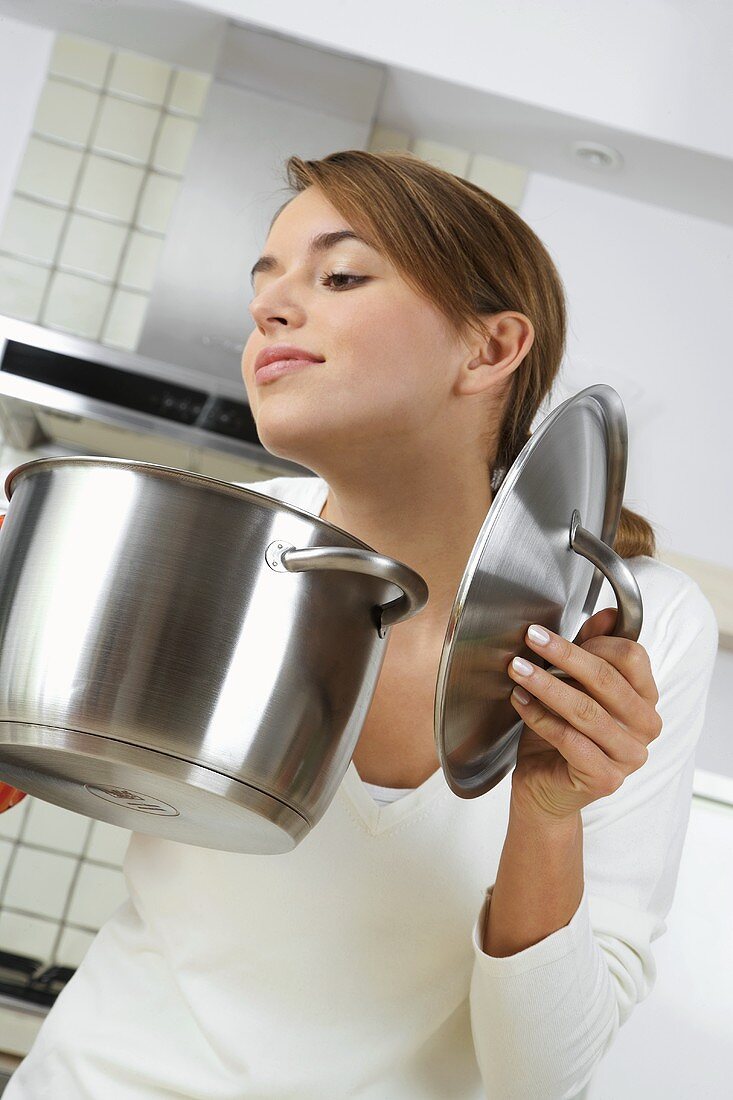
(184,657)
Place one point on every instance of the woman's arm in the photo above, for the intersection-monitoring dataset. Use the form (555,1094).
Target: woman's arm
(544,1015)
(581,740)
(539,883)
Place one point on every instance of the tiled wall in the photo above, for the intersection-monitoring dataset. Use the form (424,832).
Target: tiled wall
(60,872)
(501,178)
(60,879)
(84,228)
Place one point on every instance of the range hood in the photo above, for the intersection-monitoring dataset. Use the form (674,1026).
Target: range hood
(270,98)
(62,394)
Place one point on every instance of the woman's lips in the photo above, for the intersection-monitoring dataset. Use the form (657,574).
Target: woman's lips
(279,368)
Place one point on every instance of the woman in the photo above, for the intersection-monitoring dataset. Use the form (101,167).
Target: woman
(415,945)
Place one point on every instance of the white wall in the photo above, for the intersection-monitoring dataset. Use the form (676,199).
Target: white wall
(24,54)
(649,295)
(715,750)
(656,68)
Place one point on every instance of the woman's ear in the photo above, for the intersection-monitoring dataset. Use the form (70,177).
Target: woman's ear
(491,361)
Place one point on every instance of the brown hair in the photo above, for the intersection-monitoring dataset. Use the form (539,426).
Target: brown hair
(469,254)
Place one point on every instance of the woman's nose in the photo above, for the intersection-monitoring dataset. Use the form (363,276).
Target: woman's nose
(276,306)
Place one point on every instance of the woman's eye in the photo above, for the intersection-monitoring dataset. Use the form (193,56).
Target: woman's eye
(329,275)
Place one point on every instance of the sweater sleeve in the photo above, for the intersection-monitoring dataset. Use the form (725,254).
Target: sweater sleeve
(544,1017)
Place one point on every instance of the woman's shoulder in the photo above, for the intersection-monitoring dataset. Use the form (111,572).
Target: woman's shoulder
(676,611)
(666,584)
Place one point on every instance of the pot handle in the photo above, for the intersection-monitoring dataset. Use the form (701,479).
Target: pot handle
(617,573)
(281,556)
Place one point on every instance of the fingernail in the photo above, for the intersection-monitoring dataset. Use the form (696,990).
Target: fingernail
(538,634)
(522,695)
(524,668)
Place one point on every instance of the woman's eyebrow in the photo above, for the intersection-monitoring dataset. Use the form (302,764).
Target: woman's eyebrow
(320,243)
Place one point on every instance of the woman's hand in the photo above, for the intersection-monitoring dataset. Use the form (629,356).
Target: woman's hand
(582,737)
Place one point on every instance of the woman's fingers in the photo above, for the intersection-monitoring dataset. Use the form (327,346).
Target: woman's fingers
(588,764)
(575,715)
(615,671)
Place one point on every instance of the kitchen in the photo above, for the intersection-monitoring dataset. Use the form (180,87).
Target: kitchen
(139,137)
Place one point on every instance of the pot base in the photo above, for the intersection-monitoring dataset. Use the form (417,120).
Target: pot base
(146,791)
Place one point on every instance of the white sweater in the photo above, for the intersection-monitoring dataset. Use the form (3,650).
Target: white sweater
(352,966)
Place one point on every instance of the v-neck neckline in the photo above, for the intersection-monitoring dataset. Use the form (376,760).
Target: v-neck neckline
(375,817)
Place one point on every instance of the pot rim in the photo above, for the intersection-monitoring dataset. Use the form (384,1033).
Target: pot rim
(156,469)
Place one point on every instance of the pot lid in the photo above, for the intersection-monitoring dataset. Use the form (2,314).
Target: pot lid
(526,566)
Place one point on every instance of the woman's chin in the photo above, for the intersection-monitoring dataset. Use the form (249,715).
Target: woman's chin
(289,442)
(316,452)
(305,435)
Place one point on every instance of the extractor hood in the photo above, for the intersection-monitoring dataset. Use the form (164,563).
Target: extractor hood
(270,98)
(61,394)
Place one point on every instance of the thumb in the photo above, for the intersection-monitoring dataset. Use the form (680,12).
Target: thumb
(603,622)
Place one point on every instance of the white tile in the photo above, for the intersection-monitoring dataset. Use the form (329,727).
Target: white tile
(136,75)
(383,139)
(98,892)
(21,293)
(55,827)
(73,946)
(141,258)
(25,935)
(80,59)
(159,195)
(76,305)
(93,247)
(126,129)
(5,849)
(189,91)
(65,111)
(108,842)
(32,229)
(109,187)
(49,170)
(125,321)
(447,157)
(11,820)
(174,144)
(504,180)
(40,881)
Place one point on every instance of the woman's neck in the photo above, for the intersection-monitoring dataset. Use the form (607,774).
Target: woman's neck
(429,520)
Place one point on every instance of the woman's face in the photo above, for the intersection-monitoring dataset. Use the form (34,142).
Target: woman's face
(390,359)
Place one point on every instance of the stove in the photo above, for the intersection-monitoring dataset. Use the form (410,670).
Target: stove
(30,982)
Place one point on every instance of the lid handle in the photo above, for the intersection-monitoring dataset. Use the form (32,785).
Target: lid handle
(617,573)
